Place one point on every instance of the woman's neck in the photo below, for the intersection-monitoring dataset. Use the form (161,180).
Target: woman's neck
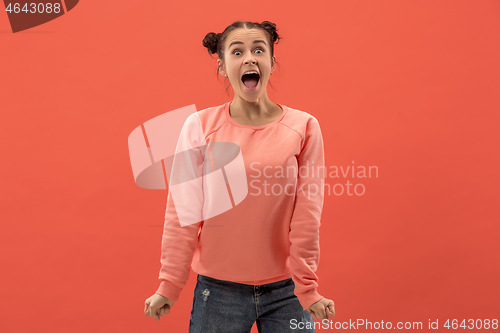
(263,108)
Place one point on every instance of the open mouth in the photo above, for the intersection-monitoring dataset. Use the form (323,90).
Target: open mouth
(250,80)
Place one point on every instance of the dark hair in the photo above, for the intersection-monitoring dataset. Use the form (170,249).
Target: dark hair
(215,42)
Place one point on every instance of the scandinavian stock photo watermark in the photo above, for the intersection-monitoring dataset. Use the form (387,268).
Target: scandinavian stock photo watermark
(309,179)
(207,178)
(365,324)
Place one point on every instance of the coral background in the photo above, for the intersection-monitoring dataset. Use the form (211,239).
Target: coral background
(408,87)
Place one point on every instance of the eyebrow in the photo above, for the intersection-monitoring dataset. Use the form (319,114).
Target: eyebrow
(255,42)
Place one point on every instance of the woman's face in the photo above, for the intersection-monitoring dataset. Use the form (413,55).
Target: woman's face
(246,50)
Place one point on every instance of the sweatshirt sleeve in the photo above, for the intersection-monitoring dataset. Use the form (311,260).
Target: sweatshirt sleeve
(305,222)
(179,241)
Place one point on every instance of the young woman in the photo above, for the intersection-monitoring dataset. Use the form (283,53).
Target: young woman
(256,262)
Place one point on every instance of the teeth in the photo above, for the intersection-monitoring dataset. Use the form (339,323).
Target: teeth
(251,72)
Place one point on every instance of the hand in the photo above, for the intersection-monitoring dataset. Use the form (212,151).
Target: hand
(158,305)
(322,309)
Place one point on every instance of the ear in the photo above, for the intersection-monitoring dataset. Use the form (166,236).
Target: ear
(273,64)
(222,70)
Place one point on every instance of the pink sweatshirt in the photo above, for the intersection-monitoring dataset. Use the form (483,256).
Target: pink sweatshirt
(273,234)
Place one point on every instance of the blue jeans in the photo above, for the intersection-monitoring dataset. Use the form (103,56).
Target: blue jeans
(230,307)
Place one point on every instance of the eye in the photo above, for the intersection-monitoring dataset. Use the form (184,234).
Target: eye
(258,49)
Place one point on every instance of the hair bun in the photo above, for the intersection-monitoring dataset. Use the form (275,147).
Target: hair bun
(271,29)
(210,42)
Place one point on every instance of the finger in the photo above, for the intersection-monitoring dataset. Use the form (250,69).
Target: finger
(313,314)
(151,312)
(161,312)
(331,311)
(146,307)
(323,315)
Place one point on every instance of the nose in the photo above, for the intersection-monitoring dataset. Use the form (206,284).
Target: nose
(250,59)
